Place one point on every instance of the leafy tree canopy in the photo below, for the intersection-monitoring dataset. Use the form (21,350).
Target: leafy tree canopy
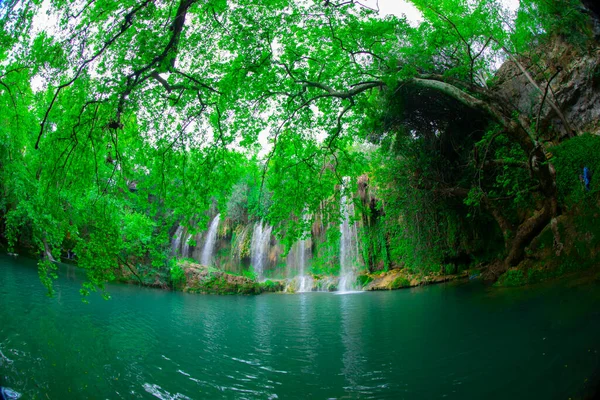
(104,101)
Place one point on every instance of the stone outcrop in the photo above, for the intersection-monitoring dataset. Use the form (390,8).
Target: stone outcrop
(201,279)
(574,87)
(400,279)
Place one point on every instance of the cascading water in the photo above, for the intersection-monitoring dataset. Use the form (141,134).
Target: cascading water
(185,247)
(305,282)
(259,248)
(348,246)
(176,241)
(209,243)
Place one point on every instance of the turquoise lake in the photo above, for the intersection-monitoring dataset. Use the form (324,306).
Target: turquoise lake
(450,341)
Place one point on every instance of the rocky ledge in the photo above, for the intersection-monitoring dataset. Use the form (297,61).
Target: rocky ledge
(208,280)
(400,279)
(197,278)
(202,279)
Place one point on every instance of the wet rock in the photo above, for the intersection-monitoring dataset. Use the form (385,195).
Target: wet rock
(400,278)
(202,279)
(575,73)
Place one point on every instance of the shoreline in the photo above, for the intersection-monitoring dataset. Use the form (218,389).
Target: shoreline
(200,279)
(208,280)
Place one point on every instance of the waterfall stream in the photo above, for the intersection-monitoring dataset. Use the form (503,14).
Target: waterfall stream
(348,247)
(259,248)
(185,246)
(176,241)
(305,281)
(209,244)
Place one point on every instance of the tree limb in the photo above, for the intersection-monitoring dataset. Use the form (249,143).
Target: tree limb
(570,130)
(127,23)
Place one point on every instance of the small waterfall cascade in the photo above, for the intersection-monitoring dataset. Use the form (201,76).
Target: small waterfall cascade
(348,247)
(305,282)
(185,247)
(259,247)
(209,244)
(176,241)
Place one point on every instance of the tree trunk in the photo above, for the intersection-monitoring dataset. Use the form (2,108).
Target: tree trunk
(532,226)
(500,110)
(526,232)
(505,225)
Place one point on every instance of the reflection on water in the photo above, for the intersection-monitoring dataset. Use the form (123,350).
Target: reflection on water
(448,341)
(351,334)
(307,357)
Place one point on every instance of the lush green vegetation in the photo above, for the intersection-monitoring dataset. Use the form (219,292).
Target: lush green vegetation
(121,120)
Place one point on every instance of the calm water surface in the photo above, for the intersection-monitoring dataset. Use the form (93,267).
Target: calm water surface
(440,342)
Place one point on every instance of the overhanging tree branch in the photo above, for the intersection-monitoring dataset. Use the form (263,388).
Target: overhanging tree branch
(127,23)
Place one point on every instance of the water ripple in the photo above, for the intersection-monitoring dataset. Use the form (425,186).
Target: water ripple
(169,345)
(162,394)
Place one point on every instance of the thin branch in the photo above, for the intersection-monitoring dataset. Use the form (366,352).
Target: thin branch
(162,81)
(124,27)
(537,124)
(527,75)
(461,37)
(356,89)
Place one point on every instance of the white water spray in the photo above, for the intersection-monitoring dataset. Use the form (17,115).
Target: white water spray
(176,241)
(348,246)
(305,282)
(259,248)
(185,247)
(209,244)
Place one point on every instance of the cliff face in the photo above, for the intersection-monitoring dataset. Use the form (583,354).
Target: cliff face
(568,76)
(574,87)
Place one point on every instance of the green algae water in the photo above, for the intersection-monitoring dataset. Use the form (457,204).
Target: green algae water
(447,342)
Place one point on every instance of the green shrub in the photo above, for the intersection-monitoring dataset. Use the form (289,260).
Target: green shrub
(177,275)
(363,280)
(250,274)
(569,159)
(269,285)
(449,269)
(400,282)
(511,278)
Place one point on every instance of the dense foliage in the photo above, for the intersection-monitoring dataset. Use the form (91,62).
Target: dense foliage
(122,119)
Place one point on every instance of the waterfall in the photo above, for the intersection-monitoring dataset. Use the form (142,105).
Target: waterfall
(348,246)
(211,240)
(259,248)
(185,247)
(301,257)
(176,241)
(305,282)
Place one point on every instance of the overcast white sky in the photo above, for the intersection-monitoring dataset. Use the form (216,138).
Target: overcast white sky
(395,7)
(400,7)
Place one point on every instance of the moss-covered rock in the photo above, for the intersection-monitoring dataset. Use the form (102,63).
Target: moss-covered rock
(325,283)
(272,286)
(572,246)
(206,280)
(364,280)
(512,277)
(400,278)
(400,282)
